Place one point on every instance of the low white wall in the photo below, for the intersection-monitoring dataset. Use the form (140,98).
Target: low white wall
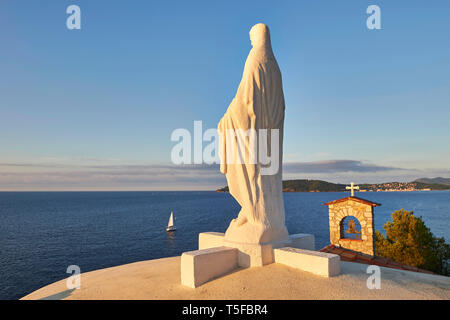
(200,266)
(320,263)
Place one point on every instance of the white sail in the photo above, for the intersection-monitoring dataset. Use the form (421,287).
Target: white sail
(170,220)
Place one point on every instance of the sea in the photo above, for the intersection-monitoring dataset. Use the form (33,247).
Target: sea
(43,233)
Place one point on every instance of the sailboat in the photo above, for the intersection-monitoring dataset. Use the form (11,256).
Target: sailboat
(170,225)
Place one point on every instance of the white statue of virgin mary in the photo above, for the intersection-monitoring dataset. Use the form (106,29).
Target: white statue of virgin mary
(258,104)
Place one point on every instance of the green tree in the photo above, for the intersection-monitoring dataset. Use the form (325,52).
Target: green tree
(409,241)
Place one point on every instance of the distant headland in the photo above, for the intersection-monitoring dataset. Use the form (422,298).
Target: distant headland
(309,185)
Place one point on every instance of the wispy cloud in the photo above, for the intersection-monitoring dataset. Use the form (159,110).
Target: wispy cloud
(107,176)
(50,176)
(335,166)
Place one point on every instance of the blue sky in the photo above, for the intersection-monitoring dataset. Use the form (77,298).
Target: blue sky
(93,109)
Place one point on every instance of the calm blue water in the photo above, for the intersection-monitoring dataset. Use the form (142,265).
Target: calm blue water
(42,233)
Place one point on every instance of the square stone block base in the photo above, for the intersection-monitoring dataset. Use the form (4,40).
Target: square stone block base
(255,255)
(216,257)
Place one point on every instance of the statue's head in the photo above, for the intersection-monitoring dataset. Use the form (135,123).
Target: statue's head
(260,35)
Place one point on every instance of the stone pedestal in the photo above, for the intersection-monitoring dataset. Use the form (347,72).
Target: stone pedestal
(255,255)
(217,256)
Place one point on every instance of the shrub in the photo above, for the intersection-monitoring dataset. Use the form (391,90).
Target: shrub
(409,241)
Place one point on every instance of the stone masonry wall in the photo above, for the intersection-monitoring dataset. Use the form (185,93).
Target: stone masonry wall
(364,214)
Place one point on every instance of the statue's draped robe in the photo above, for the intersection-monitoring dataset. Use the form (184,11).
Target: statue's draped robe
(258,104)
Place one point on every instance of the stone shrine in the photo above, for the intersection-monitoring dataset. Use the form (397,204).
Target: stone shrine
(362,211)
